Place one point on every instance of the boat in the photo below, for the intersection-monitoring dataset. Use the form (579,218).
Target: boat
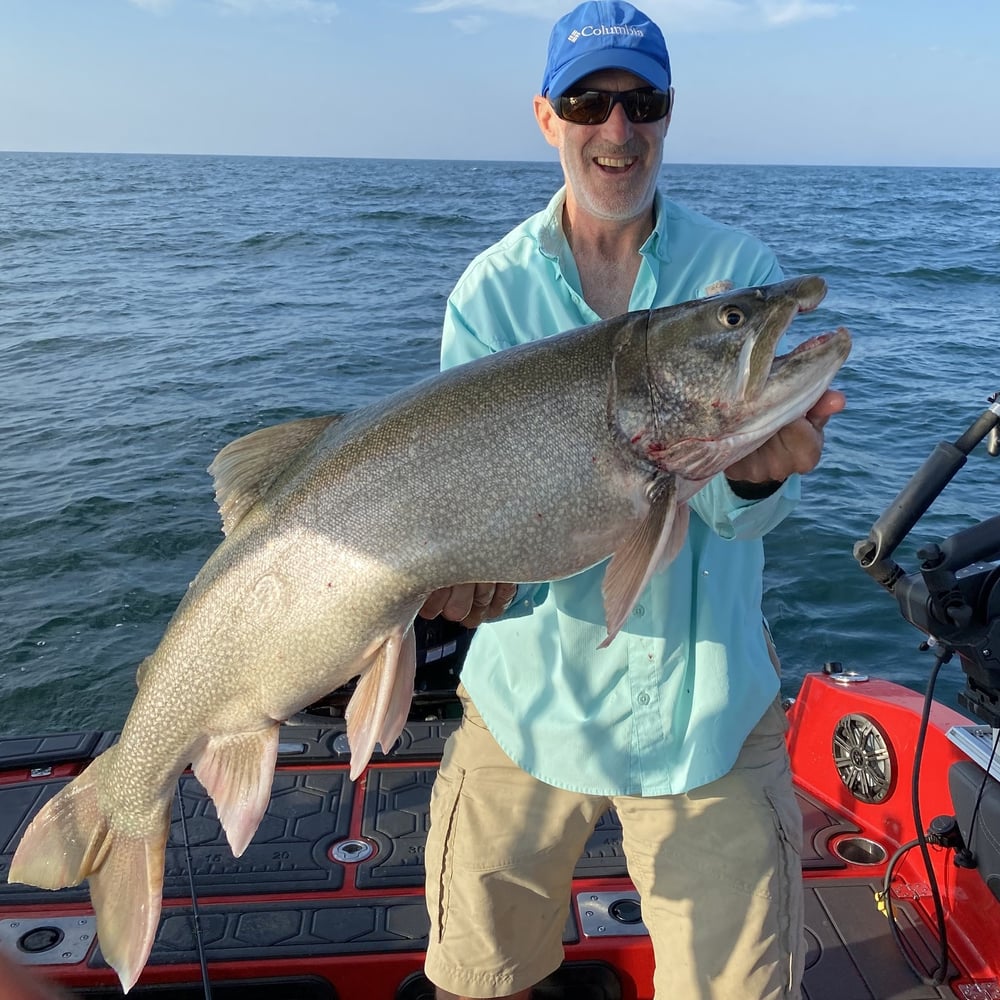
(900,797)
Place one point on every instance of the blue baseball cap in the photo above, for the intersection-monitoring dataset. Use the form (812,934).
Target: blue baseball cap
(605,34)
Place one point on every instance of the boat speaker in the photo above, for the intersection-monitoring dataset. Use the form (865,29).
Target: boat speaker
(863,756)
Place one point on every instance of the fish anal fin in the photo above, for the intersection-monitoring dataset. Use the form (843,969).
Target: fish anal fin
(380,703)
(650,547)
(237,770)
(247,468)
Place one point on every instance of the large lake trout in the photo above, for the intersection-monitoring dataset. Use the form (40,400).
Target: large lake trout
(529,465)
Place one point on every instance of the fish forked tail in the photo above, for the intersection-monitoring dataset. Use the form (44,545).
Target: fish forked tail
(72,839)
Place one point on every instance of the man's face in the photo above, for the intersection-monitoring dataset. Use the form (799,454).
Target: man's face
(611,168)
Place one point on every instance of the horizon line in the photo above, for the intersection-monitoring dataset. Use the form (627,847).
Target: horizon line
(466,159)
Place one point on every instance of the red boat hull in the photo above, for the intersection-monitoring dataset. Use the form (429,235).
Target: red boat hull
(306,915)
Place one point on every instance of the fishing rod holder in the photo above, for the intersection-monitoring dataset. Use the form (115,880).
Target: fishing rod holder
(954,596)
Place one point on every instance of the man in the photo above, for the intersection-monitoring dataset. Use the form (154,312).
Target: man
(677,724)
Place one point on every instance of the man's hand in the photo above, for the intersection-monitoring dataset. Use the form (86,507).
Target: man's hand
(469,604)
(796,448)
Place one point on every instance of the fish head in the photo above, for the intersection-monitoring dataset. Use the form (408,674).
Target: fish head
(715,387)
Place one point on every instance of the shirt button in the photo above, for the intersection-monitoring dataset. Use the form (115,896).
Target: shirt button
(638,611)
(643,698)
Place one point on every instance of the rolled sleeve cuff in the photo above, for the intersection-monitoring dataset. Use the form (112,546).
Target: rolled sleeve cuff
(733,517)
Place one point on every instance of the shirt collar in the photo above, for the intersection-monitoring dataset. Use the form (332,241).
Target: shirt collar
(552,240)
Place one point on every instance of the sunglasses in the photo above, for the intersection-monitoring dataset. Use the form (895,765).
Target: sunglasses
(594,107)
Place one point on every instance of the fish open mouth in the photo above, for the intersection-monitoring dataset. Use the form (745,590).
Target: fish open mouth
(814,342)
(798,378)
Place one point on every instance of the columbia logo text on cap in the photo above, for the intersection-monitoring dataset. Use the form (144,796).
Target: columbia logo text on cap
(603,35)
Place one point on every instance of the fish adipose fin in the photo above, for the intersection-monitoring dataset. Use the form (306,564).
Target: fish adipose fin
(72,839)
(237,771)
(378,708)
(650,548)
(247,468)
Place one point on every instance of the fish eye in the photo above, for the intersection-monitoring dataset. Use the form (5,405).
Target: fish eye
(731,316)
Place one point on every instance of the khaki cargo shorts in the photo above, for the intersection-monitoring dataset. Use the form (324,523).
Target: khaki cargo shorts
(718,870)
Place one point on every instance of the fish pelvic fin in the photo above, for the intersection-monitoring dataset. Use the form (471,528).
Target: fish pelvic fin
(237,770)
(378,708)
(71,839)
(650,548)
(249,466)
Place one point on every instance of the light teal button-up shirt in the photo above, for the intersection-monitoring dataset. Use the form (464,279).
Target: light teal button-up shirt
(667,706)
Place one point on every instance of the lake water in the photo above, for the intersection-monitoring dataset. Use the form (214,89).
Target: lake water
(152,308)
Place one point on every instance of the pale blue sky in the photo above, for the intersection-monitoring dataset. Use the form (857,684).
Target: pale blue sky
(911,82)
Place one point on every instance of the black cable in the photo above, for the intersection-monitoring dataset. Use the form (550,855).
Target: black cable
(199,942)
(940,973)
(887,899)
(982,790)
(942,656)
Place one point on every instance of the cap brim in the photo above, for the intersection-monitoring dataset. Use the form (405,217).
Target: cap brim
(653,72)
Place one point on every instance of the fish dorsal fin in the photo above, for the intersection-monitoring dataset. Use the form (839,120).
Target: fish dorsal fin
(380,703)
(651,547)
(247,468)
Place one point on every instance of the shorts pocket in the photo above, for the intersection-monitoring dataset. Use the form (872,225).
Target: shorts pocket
(439,848)
(790,903)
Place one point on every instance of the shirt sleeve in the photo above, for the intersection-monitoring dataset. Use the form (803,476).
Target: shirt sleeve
(459,342)
(732,517)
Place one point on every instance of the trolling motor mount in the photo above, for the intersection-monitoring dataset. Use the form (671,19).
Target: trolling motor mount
(954,597)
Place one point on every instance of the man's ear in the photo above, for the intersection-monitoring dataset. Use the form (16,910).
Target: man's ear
(548,120)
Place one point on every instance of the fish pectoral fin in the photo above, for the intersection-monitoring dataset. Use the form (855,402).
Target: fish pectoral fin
(378,708)
(71,839)
(247,468)
(650,548)
(237,770)
(678,532)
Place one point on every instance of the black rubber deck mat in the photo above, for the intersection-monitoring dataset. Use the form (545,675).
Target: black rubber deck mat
(290,988)
(572,981)
(241,930)
(310,811)
(850,951)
